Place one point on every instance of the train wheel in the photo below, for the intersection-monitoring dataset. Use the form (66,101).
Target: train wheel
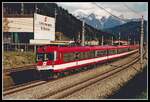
(66,73)
(90,67)
(61,74)
(82,69)
(77,70)
(55,76)
(72,71)
(95,65)
(85,68)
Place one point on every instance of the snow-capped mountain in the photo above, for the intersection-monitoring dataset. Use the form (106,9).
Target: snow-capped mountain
(112,22)
(92,20)
(96,21)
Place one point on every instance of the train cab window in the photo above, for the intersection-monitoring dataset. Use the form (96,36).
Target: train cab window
(47,56)
(40,57)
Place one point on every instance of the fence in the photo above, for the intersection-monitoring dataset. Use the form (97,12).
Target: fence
(22,47)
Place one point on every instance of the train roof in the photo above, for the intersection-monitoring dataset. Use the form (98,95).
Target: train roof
(67,49)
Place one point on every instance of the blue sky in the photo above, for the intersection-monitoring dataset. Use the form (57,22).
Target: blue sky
(127,9)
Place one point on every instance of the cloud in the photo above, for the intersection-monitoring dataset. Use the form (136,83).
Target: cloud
(77,5)
(86,8)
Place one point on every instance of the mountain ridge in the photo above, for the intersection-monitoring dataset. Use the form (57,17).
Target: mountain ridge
(102,22)
(130,29)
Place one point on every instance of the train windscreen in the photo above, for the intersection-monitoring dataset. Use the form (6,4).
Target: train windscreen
(45,56)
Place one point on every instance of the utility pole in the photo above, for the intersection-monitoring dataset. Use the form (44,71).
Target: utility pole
(35,46)
(55,15)
(128,39)
(36,8)
(112,41)
(22,8)
(134,39)
(141,45)
(73,39)
(119,38)
(55,25)
(102,40)
(79,36)
(83,31)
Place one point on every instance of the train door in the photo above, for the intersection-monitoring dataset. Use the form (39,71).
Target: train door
(77,55)
(56,57)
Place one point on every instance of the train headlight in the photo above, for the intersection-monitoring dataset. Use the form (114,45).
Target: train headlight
(44,63)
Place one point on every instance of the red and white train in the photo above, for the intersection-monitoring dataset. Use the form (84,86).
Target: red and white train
(54,59)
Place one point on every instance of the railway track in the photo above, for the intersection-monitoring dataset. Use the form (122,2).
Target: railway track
(57,93)
(20,68)
(64,92)
(21,87)
(24,86)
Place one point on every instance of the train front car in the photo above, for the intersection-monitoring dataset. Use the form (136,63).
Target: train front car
(46,58)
